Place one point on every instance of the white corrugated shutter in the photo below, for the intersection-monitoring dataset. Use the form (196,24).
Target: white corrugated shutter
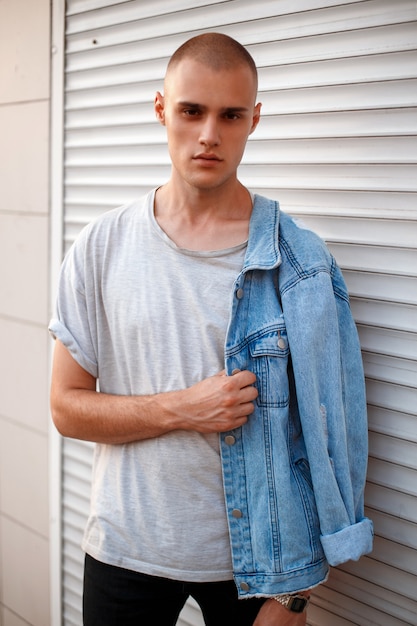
(337,146)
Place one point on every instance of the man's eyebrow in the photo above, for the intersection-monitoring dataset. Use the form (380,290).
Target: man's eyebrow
(196,105)
(191,105)
(235,109)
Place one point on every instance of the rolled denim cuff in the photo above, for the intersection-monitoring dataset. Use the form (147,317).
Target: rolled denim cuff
(348,544)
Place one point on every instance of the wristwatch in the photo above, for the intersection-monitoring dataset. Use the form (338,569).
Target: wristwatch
(293,602)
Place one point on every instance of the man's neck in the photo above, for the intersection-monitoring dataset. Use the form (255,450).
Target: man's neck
(204,220)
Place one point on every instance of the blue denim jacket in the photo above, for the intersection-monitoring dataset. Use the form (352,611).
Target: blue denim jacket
(294,475)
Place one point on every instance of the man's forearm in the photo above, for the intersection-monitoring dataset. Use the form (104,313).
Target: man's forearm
(215,404)
(106,418)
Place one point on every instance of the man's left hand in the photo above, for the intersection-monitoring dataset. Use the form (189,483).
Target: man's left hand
(273,613)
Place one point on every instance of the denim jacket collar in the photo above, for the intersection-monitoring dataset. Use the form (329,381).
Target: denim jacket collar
(263,250)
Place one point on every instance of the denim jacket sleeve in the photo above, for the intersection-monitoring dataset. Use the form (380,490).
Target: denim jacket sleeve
(329,382)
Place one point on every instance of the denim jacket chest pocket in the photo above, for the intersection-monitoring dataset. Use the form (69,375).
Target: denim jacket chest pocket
(269,353)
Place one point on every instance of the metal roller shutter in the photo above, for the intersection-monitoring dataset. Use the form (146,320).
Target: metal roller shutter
(337,146)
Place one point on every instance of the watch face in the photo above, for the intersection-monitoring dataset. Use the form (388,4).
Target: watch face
(297,605)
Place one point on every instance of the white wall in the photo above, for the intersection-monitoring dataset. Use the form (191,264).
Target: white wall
(24,224)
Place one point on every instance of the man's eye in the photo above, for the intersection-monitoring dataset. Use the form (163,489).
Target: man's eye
(191,112)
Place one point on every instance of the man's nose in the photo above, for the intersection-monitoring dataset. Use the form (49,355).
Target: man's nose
(210,135)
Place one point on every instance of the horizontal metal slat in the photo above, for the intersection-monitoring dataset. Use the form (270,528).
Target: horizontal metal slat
(161,44)
(109,116)
(354,43)
(350,608)
(391,396)
(347,203)
(394,529)
(367,230)
(128,87)
(77,449)
(89,14)
(77,468)
(82,6)
(88,203)
(130,74)
(369,569)
(384,259)
(386,94)
(324,178)
(130,135)
(392,502)
(156,26)
(118,155)
(395,555)
(82,16)
(360,150)
(344,71)
(382,286)
(317,616)
(392,476)
(111,176)
(382,123)
(391,369)
(72,537)
(393,450)
(367,592)
(393,423)
(76,494)
(320,20)
(270,22)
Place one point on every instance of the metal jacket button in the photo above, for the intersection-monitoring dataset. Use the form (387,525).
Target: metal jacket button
(239,293)
(230,440)
(237,513)
(244,586)
(282,343)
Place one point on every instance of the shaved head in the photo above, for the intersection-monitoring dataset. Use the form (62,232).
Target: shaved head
(217,52)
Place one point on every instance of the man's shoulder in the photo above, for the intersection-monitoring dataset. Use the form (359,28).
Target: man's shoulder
(122,215)
(108,232)
(111,225)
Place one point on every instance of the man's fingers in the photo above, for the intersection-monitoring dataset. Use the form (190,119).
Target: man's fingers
(243,377)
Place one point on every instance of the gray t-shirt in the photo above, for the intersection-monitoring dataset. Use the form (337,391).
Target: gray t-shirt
(144,316)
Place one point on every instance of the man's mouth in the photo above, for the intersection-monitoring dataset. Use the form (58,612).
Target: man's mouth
(207,156)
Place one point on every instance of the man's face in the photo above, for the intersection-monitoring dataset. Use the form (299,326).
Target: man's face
(208,115)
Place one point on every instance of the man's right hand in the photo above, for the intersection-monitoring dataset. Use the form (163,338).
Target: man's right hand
(218,403)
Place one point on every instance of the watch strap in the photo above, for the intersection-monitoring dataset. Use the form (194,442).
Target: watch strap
(296,603)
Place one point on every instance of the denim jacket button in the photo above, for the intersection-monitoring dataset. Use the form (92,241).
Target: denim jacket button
(282,343)
(244,586)
(237,513)
(239,294)
(230,440)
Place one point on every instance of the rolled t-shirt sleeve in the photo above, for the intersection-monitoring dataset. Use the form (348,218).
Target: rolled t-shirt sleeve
(73,323)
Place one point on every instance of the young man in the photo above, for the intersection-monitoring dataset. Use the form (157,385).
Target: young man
(230,422)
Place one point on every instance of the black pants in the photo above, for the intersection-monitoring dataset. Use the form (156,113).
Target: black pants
(118,597)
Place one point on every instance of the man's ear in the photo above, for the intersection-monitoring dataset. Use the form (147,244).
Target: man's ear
(256,117)
(159,106)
